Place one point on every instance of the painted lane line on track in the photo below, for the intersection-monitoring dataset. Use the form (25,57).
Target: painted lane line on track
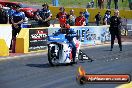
(22,56)
(128,85)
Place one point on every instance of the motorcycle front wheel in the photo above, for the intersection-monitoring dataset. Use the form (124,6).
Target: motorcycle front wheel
(52,58)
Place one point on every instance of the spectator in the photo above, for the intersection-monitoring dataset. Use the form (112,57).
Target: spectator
(62,16)
(25,22)
(89,5)
(10,12)
(101,4)
(86,15)
(92,3)
(108,4)
(130,4)
(71,18)
(106,19)
(116,4)
(98,19)
(17,19)
(44,16)
(115,29)
(4,19)
(80,21)
(36,15)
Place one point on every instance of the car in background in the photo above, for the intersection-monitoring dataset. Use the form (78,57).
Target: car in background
(29,12)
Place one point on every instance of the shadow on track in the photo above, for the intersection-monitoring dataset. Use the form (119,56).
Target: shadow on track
(47,65)
(107,50)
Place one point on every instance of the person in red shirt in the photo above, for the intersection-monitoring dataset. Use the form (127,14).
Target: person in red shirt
(80,21)
(61,16)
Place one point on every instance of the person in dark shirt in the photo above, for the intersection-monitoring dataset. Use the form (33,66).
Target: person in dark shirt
(116,4)
(17,19)
(130,4)
(44,16)
(115,29)
(98,19)
(108,4)
(106,19)
(4,18)
(101,4)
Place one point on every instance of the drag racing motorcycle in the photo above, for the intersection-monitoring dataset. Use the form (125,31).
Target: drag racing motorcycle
(60,51)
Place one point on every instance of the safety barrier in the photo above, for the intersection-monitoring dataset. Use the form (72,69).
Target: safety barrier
(93,11)
(90,35)
(31,39)
(6,33)
(5,39)
(35,39)
(4,49)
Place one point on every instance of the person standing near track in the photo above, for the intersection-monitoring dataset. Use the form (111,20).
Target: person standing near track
(62,17)
(86,15)
(116,4)
(3,16)
(10,12)
(106,19)
(98,19)
(115,29)
(43,16)
(71,18)
(80,21)
(17,20)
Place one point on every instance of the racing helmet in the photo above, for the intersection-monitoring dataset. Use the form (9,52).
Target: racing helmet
(65,26)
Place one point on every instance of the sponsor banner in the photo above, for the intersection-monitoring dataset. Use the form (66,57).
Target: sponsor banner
(89,34)
(52,30)
(105,34)
(26,25)
(93,34)
(6,33)
(37,39)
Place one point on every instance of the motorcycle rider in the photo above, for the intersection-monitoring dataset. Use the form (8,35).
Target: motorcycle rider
(70,34)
